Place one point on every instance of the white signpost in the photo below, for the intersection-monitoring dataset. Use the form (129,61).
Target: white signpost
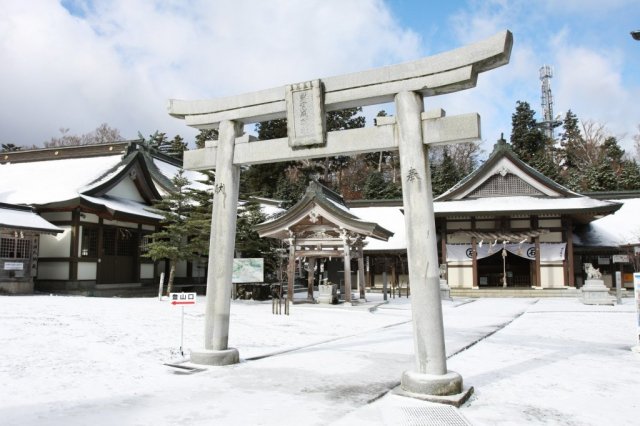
(411,132)
(182,299)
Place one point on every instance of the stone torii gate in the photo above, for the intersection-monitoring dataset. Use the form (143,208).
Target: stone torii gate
(411,132)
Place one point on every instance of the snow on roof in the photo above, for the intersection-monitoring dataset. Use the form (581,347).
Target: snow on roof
(25,219)
(269,210)
(169,171)
(391,219)
(620,228)
(519,203)
(123,205)
(43,182)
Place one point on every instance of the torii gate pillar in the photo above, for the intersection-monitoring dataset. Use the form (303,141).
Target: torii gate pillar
(431,376)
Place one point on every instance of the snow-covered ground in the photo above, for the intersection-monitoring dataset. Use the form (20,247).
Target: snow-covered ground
(99,361)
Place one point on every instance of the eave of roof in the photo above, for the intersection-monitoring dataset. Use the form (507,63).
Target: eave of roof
(23,218)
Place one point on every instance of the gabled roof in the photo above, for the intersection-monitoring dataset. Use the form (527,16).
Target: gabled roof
(22,218)
(506,184)
(319,203)
(502,162)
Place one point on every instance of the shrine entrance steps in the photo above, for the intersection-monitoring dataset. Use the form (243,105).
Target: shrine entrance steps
(515,292)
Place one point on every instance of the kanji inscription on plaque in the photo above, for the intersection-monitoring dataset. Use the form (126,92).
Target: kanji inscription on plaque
(305,114)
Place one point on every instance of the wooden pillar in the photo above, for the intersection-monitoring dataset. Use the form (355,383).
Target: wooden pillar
(474,262)
(443,247)
(75,245)
(311,278)
(538,277)
(361,281)
(570,266)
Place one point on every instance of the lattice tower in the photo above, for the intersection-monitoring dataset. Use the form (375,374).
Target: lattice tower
(548,123)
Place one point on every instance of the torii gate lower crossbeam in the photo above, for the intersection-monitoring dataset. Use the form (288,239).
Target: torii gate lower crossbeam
(411,131)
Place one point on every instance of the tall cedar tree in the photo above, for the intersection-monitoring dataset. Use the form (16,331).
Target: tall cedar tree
(178,239)
(526,137)
(261,180)
(570,140)
(289,179)
(530,144)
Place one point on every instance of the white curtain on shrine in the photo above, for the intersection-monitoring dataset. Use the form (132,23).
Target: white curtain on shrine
(549,252)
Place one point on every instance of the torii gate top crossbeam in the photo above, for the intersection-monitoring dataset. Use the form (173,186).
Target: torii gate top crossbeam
(443,73)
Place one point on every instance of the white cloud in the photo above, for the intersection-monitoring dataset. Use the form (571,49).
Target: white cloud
(119,61)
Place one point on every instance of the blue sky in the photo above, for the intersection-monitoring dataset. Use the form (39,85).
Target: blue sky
(76,64)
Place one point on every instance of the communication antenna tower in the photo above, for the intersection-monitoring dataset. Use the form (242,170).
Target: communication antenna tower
(548,122)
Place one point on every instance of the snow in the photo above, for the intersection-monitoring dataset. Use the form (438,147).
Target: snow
(169,171)
(620,228)
(518,203)
(42,182)
(11,218)
(99,361)
(123,205)
(391,219)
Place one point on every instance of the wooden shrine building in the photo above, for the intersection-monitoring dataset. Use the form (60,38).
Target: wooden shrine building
(321,226)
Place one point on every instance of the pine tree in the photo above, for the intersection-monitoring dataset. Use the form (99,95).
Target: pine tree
(177,147)
(375,186)
(444,175)
(178,239)
(206,135)
(629,177)
(526,137)
(570,140)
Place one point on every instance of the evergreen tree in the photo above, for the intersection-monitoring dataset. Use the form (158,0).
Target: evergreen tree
(629,176)
(444,175)
(177,147)
(261,180)
(206,135)
(526,137)
(377,188)
(157,140)
(9,147)
(289,191)
(179,237)
(570,140)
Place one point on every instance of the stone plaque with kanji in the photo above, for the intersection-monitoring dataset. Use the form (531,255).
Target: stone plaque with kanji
(305,114)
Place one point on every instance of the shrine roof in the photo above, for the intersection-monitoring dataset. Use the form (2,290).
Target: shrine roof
(322,202)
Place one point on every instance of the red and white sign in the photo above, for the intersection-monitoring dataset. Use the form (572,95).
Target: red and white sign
(182,299)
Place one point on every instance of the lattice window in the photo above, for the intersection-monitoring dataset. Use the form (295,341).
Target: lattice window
(89,246)
(502,186)
(15,248)
(7,247)
(23,249)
